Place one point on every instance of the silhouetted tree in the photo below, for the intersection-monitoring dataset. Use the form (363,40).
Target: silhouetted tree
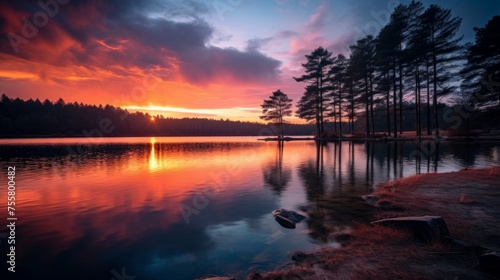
(363,67)
(276,108)
(338,79)
(387,47)
(416,56)
(316,68)
(483,66)
(350,84)
(306,106)
(440,28)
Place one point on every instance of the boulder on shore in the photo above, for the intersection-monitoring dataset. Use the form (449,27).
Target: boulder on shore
(490,261)
(423,228)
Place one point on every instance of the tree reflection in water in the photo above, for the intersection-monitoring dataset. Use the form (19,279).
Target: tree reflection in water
(334,175)
(334,190)
(275,176)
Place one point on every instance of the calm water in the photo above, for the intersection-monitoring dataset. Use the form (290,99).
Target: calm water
(182,208)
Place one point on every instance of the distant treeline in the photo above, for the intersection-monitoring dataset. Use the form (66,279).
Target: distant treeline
(20,118)
(33,118)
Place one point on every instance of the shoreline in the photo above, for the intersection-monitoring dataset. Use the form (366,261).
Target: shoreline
(469,202)
(384,139)
(409,137)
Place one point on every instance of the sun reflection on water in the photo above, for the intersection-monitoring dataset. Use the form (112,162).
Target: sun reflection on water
(154,162)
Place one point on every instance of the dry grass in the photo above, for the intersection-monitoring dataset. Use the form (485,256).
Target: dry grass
(468,200)
(375,252)
(465,199)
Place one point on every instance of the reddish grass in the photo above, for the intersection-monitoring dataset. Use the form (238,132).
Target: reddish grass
(465,199)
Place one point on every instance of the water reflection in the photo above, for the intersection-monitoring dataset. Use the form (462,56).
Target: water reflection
(119,204)
(275,176)
(340,172)
(312,176)
(154,162)
(333,182)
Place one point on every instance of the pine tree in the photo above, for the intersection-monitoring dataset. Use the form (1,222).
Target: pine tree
(276,108)
(483,67)
(316,68)
(439,29)
(337,77)
(363,67)
(415,56)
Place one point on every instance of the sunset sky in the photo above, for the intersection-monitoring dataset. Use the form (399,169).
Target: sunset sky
(215,58)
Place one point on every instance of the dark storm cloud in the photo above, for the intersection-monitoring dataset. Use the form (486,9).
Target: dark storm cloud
(132,33)
(248,66)
(175,36)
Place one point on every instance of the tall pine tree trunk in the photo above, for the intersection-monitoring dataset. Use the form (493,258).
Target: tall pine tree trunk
(371,104)
(367,108)
(401,122)
(394,101)
(321,105)
(340,108)
(417,100)
(434,100)
(334,117)
(351,93)
(387,101)
(428,97)
(318,120)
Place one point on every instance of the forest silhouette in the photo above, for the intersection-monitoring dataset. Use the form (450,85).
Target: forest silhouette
(34,118)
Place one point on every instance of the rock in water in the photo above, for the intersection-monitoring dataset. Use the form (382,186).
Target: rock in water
(291,215)
(287,218)
(424,228)
(284,222)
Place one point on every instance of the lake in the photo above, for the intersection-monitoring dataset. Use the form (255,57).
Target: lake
(183,208)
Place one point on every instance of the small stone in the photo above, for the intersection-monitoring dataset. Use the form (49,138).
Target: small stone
(298,256)
(490,261)
(343,238)
(424,228)
(290,215)
(372,199)
(287,218)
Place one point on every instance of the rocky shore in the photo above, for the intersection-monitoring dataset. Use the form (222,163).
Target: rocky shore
(434,226)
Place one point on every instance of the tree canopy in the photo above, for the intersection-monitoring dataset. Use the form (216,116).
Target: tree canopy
(481,74)
(410,64)
(276,108)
